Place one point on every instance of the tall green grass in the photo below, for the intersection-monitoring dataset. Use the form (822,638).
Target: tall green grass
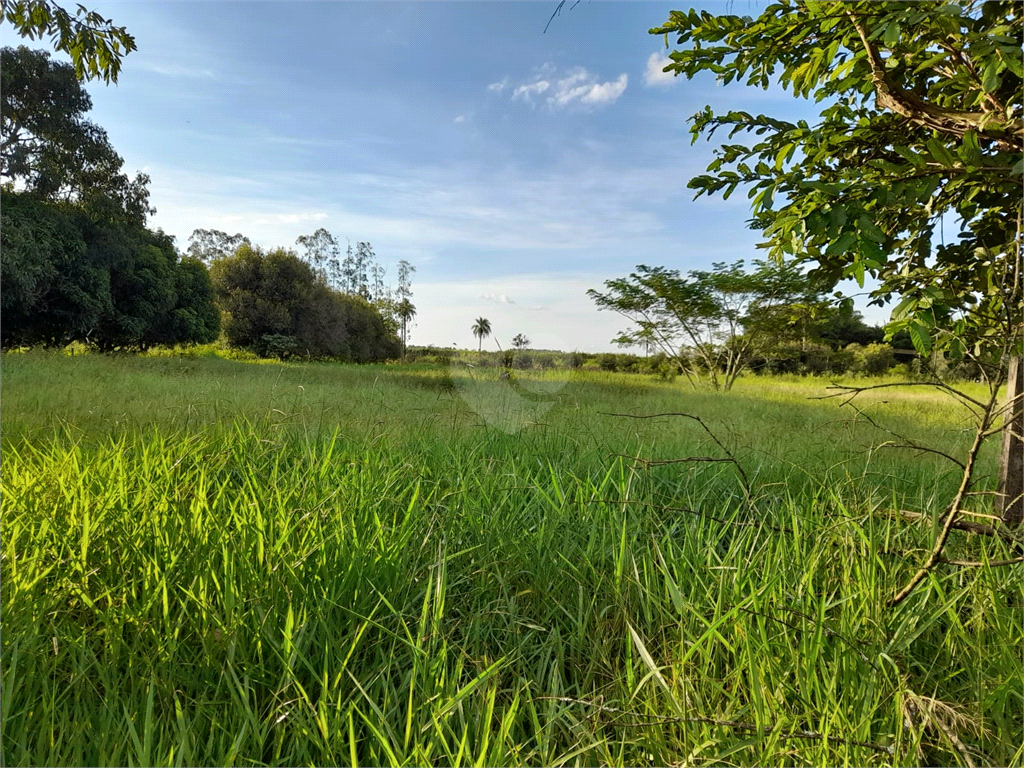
(207,562)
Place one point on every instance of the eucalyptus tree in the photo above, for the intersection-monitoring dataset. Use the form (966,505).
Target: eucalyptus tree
(321,253)
(208,245)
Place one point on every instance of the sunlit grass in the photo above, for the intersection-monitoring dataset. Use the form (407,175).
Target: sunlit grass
(208,562)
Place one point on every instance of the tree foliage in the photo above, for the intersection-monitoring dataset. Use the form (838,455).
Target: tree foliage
(921,126)
(272,297)
(67,277)
(481,329)
(95,45)
(208,245)
(711,322)
(49,147)
(78,261)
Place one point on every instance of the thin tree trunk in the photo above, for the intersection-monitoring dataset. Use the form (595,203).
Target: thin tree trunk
(1011,460)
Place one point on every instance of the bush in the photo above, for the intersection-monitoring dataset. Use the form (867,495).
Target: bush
(876,359)
(270,297)
(523,361)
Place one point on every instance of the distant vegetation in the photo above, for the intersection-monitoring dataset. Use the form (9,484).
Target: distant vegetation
(275,305)
(80,265)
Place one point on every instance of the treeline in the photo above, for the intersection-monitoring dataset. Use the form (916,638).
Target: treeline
(875,359)
(717,324)
(835,342)
(80,264)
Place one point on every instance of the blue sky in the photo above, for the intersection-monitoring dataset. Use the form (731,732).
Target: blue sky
(513,168)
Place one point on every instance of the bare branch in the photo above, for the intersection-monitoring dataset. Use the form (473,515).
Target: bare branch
(979,529)
(978,564)
(732,459)
(847,389)
(954,507)
(663,462)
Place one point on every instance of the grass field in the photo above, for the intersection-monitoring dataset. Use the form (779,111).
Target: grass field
(209,562)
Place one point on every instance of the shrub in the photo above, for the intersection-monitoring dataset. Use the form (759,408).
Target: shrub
(276,295)
(877,359)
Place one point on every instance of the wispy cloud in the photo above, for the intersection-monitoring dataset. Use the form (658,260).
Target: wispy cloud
(655,74)
(460,119)
(293,218)
(576,87)
(499,86)
(497,298)
(175,70)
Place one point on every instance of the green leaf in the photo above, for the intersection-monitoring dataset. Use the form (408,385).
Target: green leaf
(920,337)
(842,244)
(892,34)
(990,77)
(940,153)
(870,231)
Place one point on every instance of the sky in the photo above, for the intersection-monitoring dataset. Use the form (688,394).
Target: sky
(514,168)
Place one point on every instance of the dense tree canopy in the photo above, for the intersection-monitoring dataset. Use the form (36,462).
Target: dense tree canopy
(66,277)
(78,261)
(50,148)
(275,303)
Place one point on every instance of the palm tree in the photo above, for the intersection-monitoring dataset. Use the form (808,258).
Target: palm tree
(406,311)
(481,329)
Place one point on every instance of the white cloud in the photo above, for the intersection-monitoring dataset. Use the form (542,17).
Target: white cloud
(292,218)
(654,75)
(528,89)
(606,93)
(578,86)
(497,298)
(460,119)
(499,87)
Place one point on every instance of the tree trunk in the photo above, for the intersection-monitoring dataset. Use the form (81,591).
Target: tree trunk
(1010,500)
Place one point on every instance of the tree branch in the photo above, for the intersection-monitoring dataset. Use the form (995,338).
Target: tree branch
(907,104)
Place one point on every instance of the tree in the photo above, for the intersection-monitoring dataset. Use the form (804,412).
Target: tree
(65,276)
(94,44)
(321,252)
(723,317)
(275,305)
(406,312)
(922,124)
(481,329)
(208,245)
(49,147)
(519,341)
(404,307)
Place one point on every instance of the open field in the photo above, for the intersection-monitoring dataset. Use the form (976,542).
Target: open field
(215,562)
